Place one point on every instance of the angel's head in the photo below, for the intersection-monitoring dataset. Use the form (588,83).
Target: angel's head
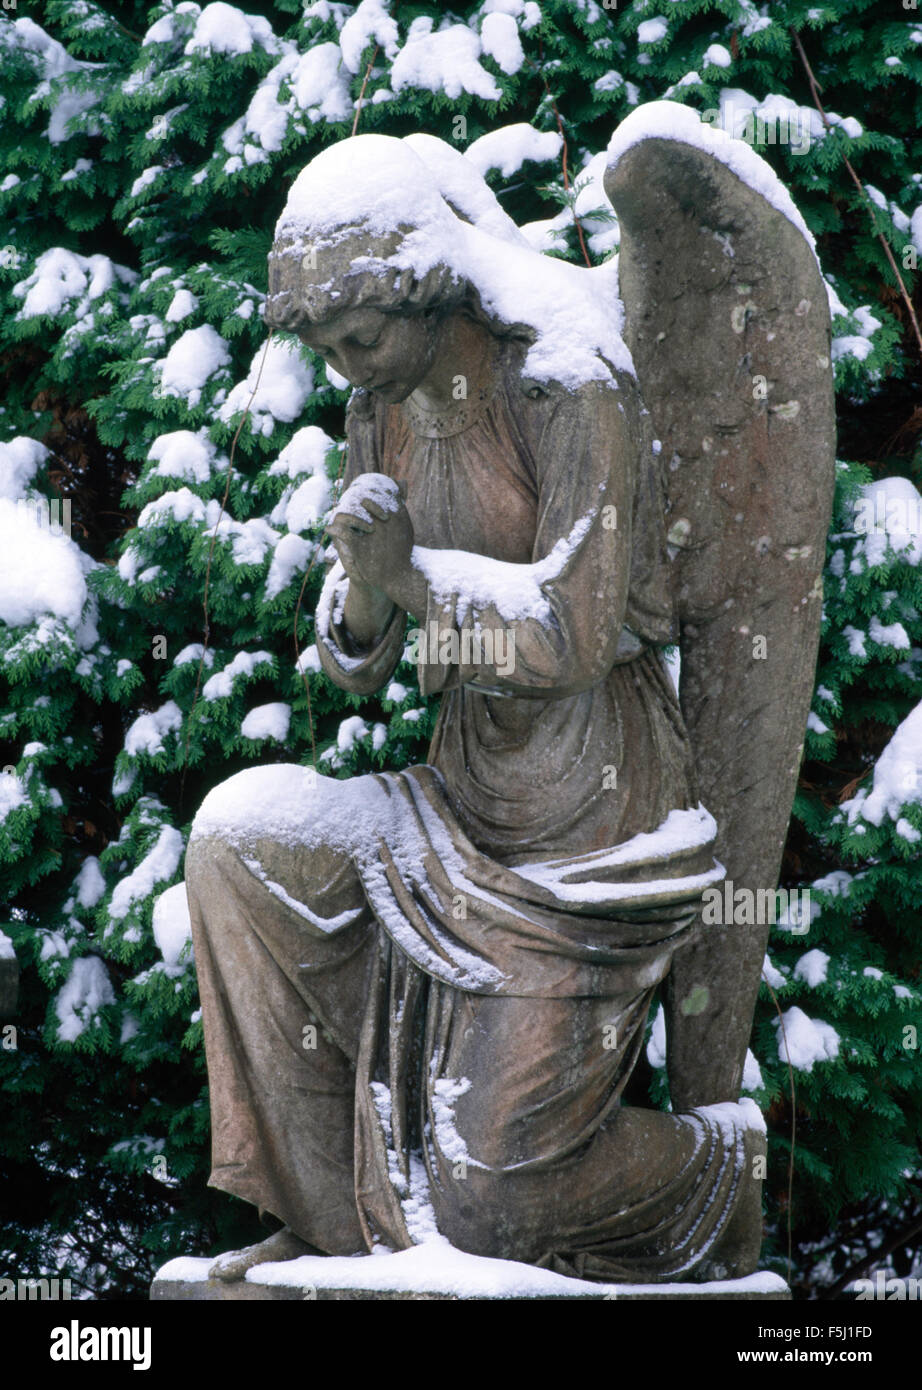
(357,268)
(375,324)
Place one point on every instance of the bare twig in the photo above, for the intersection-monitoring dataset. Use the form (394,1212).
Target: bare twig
(566,179)
(358,104)
(214,537)
(793,1123)
(815,90)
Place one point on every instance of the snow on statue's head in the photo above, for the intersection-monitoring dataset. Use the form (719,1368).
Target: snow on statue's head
(364,226)
(374,223)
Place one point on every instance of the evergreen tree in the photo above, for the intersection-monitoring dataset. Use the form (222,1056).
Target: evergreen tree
(145,155)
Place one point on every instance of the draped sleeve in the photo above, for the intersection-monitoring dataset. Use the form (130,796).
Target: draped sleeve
(553,627)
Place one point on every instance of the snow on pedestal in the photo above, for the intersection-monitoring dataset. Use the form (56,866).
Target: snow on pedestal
(433,1270)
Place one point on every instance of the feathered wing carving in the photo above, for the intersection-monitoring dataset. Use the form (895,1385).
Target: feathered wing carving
(728,323)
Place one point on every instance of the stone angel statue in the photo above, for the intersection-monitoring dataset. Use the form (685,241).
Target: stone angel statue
(555,473)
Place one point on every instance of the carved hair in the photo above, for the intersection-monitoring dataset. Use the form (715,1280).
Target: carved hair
(353,270)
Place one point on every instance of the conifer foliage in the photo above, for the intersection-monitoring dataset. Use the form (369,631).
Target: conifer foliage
(145,154)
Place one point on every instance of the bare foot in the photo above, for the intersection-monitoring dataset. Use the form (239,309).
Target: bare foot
(284,1245)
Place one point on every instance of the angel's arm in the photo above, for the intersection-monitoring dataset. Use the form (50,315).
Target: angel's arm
(554,624)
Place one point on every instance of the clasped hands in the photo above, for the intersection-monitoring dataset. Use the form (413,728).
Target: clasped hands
(372,530)
(373,535)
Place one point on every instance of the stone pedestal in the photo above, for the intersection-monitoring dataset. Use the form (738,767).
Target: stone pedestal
(433,1272)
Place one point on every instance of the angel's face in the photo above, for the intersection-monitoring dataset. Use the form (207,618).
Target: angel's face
(390,354)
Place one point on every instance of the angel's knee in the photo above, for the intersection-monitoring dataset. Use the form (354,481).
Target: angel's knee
(271,802)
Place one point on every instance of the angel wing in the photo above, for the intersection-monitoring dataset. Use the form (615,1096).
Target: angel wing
(727,319)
